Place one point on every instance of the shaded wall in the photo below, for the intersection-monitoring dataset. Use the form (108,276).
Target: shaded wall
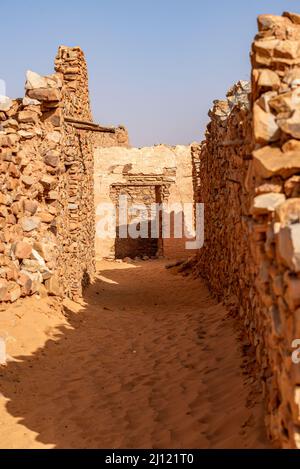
(164,170)
(76,221)
(247,172)
(46,202)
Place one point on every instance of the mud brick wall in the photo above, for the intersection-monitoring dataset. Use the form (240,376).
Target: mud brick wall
(250,183)
(46,177)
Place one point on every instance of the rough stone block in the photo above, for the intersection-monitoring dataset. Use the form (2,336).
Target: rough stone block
(289,246)
(265,203)
(22,250)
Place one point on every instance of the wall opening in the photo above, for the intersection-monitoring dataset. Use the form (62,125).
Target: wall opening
(134,237)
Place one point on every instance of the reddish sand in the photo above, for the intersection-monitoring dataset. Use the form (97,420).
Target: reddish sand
(149,360)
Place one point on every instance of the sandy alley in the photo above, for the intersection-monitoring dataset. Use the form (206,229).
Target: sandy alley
(148,360)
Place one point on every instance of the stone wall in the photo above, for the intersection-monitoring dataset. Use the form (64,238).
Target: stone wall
(46,173)
(247,172)
(31,166)
(112,137)
(76,221)
(47,215)
(160,173)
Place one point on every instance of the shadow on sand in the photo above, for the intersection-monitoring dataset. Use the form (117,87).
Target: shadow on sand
(140,365)
(68,392)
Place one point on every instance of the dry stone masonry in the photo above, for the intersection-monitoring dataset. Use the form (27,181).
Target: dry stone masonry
(47,211)
(31,132)
(247,172)
(76,222)
(275,210)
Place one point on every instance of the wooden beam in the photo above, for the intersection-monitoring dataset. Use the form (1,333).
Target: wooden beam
(87,125)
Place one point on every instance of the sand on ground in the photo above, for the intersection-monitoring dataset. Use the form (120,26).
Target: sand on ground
(148,360)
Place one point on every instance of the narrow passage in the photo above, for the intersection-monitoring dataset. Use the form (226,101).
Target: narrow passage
(149,361)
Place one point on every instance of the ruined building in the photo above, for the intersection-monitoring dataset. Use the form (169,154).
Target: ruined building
(57,166)
(47,200)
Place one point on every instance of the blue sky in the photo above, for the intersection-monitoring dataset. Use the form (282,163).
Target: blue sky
(154,66)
